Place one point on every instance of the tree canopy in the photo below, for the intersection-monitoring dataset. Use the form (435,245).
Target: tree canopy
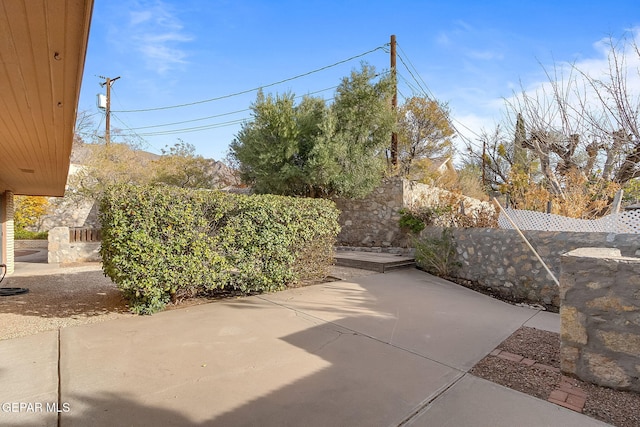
(575,140)
(424,133)
(314,149)
(180,166)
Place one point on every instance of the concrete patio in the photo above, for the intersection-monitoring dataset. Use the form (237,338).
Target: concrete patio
(382,350)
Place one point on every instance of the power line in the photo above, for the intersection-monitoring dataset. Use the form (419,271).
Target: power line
(416,70)
(254,89)
(221,114)
(429,95)
(409,85)
(216,125)
(196,128)
(133,133)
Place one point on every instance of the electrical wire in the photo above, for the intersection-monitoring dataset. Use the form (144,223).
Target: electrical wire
(143,142)
(221,124)
(429,95)
(220,115)
(254,89)
(133,131)
(416,70)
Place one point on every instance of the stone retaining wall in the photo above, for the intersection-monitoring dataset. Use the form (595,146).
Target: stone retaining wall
(373,221)
(499,260)
(600,317)
(61,250)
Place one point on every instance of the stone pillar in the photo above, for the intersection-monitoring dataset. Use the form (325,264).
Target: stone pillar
(600,317)
(59,246)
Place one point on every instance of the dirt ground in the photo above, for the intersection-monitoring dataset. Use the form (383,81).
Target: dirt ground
(76,296)
(618,408)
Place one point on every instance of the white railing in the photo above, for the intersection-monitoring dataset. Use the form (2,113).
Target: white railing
(626,222)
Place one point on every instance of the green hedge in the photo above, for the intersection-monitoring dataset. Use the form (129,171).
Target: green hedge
(22,234)
(165,243)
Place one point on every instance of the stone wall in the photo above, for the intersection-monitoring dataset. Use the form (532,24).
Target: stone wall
(600,317)
(373,221)
(67,212)
(499,260)
(61,250)
(416,195)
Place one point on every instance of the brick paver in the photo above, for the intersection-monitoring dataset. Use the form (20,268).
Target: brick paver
(566,395)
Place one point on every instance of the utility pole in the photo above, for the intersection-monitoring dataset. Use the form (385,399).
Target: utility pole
(108,82)
(394,101)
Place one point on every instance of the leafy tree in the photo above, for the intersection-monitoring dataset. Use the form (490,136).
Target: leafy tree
(424,132)
(317,150)
(28,211)
(105,165)
(274,150)
(180,166)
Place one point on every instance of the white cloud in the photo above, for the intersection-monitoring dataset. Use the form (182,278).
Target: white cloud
(575,89)
(154,31)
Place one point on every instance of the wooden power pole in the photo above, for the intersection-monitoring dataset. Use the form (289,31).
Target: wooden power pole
(107,132)
(394,101)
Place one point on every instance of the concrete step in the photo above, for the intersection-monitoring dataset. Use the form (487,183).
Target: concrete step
(373,261)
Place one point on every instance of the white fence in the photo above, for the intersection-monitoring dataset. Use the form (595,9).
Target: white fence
(626,222)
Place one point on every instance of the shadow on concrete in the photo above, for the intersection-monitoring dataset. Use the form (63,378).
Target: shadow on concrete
(367,383)
(357,354)
(344,378)
(107,405)
(31,256)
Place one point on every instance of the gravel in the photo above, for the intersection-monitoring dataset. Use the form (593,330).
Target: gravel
(75,296)
(618,408)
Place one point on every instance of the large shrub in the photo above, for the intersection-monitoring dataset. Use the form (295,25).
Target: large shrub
(163,243)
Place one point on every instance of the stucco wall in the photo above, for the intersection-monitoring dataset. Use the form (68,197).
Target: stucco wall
(6,218)
(600,317)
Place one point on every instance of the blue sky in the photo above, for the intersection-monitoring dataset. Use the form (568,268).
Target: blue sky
(470,54)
